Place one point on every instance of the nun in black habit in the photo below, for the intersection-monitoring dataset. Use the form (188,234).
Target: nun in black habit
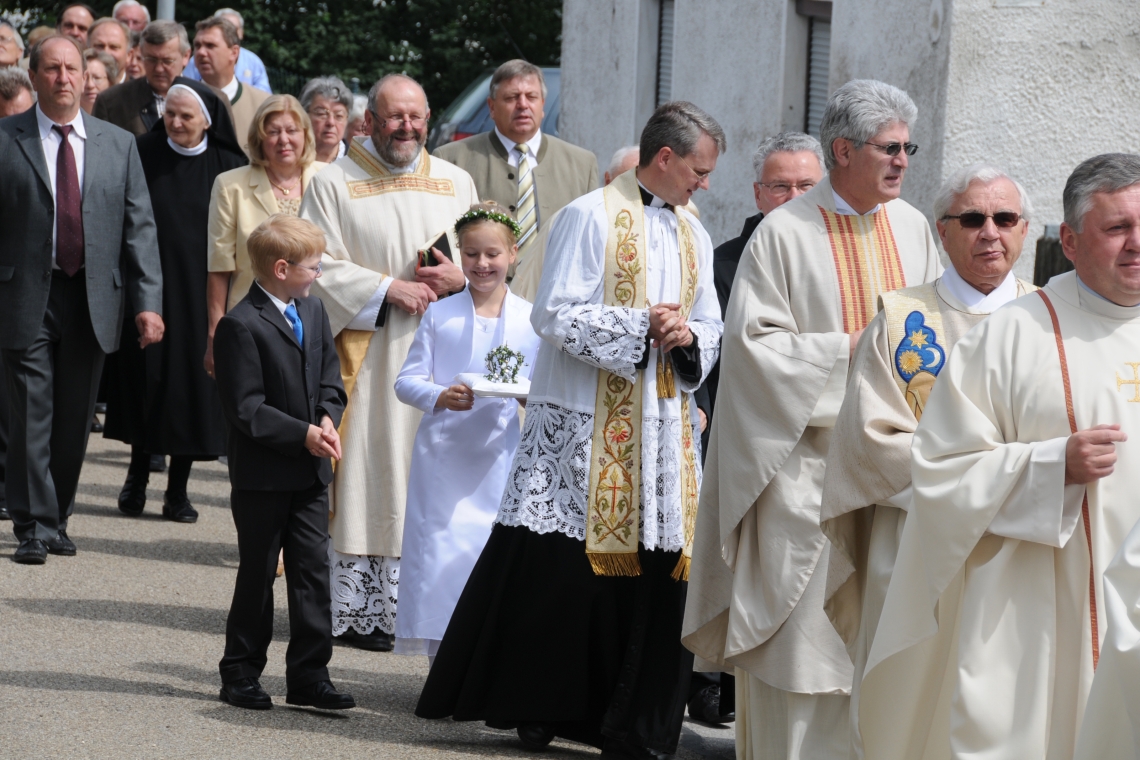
(160,399)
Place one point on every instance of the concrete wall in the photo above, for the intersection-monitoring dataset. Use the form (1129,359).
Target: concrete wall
(1034,86)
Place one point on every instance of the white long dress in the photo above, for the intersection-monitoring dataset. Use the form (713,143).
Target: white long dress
(460,460)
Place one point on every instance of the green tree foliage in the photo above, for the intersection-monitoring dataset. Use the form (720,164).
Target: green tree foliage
(443,43)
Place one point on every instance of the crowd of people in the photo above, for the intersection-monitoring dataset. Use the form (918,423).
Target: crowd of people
(864,494)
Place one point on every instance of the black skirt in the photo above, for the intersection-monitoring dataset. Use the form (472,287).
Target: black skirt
(536,637)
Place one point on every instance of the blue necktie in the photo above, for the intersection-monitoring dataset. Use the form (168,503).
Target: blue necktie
(295,321)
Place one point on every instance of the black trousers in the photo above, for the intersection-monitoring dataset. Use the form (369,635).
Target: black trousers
(267,521)
(51,395)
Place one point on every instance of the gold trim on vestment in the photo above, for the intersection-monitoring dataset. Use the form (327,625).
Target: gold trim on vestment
(614,499)
(381,180)
(866,263)
(351,348)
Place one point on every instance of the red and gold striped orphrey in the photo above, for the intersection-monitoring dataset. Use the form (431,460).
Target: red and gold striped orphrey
(866,263)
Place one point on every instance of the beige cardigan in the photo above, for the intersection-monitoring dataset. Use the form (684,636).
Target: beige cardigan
(241,199)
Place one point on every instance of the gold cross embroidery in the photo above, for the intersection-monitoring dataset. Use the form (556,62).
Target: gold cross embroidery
(1134,382)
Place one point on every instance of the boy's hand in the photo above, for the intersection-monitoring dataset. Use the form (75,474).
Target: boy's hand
(330,436)
(317,445)
(457,398)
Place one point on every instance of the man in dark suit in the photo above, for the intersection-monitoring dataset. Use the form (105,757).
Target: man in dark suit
(81,247)
(137,104)
(531,174)
(279,380)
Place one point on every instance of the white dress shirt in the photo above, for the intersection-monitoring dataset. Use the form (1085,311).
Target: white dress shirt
(51,140)
(281,305)
(231,89)
(533,143)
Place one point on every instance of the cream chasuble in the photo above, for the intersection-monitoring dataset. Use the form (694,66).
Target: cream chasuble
(988,634)
(374,222)
(808,278)
(866,486)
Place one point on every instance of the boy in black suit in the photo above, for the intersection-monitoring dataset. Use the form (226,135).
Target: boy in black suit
(279,380)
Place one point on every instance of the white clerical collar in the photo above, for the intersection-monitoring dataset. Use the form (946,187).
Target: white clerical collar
(976,300)
(533,144)
(281,305)
(371,148)
(231,89)
(197,150)
(1105,306)
(341,149)
(657,202)
(843,207)
(46,124)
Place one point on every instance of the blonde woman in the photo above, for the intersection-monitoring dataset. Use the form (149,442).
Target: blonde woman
(281,154)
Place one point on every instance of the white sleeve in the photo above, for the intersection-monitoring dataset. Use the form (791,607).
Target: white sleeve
(415,385)
(827,405)
(365,319)
(1041,508)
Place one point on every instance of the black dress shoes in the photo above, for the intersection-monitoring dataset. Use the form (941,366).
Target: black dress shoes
(31,552)
(4,513)
(535,736)
(245,693)
(705,707)
(377,641)
(178,509)
(322,695)
(132,499)
(61,545)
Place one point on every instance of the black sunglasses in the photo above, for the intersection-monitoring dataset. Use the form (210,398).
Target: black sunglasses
(972,220)
(893,149)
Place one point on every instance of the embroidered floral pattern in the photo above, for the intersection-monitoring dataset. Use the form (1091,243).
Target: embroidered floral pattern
(364,591)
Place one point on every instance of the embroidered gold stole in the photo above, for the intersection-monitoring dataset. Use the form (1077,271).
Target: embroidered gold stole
(866,263)
(614,503)
(914,335)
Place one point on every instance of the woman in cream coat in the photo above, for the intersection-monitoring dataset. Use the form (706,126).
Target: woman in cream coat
(281,152)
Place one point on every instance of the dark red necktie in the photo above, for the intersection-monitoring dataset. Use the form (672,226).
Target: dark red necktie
(68,208)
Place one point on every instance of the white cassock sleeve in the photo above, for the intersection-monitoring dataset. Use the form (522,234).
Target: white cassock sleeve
(568,312)
(365,319)
(1041,508)
(829,402)
(415,385)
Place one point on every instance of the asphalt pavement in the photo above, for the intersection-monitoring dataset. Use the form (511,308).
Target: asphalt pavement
(113,653)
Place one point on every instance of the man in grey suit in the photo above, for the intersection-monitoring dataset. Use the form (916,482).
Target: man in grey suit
(81,248)
(531,174)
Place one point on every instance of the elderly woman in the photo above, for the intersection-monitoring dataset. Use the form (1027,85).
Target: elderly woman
(160,399)
(101,71)
(281,150)
(355,127)
(328,102)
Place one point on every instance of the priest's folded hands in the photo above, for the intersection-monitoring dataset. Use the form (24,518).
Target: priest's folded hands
(667,328)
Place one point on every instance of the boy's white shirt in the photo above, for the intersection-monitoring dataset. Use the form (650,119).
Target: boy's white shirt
(281,305)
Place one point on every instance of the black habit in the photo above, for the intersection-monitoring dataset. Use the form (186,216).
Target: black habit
(160,399)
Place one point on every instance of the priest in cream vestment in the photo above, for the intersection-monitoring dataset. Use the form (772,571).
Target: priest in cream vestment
(807,285)
(1025,479)
(377,205)
(982,219)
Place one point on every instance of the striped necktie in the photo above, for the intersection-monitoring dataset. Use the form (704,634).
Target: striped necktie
(526,212)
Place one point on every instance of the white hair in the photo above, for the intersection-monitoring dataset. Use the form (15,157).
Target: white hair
(620,157)
(359,106)
(15,34)
(230,12)
(960,181)
(130,4)
(861,109)
(785,142)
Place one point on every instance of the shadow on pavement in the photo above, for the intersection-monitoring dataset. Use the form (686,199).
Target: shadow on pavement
(153,495)
(55,681)
(182,551)
(172,616)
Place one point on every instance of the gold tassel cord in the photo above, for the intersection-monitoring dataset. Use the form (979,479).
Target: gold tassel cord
(626,564)
(665,385)
(681,571)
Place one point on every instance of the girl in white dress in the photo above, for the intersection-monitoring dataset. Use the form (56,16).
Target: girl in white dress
(464,446)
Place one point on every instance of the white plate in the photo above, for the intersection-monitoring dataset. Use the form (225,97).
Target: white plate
(484,388)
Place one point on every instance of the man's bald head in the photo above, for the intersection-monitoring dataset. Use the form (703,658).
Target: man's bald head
(397,119)
(391,86)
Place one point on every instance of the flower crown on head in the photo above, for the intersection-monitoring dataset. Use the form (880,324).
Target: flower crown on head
(482,214)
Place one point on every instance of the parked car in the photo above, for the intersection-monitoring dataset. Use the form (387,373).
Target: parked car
(469,115)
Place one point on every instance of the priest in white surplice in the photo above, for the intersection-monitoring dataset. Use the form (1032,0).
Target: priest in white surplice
(1025,482)
(377,205)
(982,218)
(806,287)
(570,623)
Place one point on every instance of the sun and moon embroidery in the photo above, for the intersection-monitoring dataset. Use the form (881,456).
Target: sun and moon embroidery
(918,360)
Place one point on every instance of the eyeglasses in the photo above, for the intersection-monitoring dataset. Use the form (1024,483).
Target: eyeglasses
(701,176)
(893,149)
(316,271)
(972,220)
(166,63)
(395,122)
(5,39)
(324,113)
(783,188)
